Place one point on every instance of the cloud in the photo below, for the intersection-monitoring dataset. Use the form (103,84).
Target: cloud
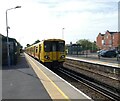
(42,19)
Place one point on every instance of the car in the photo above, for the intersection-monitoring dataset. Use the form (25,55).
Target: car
(118,56)
(108,53)
(101,52)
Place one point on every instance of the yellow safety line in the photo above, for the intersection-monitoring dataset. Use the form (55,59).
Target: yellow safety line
(66,97)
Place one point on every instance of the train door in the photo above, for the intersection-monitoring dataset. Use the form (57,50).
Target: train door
(34,51)
(39,54)
(54,51)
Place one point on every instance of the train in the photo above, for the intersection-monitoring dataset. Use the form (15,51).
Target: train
(51,52)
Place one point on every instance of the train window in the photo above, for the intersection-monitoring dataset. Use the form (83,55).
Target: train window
(61,46)
(54,46)
(47,46)
(36,49)
(58,46)
(39,48)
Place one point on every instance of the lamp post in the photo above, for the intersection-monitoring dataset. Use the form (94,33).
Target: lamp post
(7,27)
(63,33)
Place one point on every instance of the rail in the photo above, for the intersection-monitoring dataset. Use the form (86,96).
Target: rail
(99,87)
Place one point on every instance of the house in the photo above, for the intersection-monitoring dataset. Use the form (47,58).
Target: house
(109,40)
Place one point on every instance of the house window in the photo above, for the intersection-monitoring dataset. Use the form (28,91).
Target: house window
(107,37)
(113,37)
(102,42)
(110,42)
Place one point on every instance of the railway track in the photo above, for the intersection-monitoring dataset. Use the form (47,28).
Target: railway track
(98,73)
(107,78)
(93,84)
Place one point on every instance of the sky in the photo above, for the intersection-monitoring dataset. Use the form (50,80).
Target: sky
(45,19)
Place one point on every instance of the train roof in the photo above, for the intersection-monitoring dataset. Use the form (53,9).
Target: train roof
(53,40)
(45,40)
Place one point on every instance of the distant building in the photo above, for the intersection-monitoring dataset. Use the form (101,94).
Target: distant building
(109,40)
(14,50)
(74,49)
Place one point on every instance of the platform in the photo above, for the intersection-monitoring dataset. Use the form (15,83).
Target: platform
(31,80)
(21,82)
(95,61)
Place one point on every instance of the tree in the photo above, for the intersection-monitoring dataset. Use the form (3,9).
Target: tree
(94,46)
(36,41)
(87,45)
(28,45)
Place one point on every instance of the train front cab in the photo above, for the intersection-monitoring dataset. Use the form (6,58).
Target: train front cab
(54,53)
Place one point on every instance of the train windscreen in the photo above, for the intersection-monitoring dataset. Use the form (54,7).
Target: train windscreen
(52,46)
(61,46)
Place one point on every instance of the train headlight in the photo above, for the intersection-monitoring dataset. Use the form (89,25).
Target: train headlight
(46,57)
(62,57)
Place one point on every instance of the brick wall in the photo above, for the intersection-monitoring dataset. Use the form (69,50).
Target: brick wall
(109,40)
(100,41)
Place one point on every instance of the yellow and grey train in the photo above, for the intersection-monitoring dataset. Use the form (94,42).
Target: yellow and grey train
(51,52)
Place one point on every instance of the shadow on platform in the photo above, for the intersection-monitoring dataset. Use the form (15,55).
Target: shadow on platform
(22,67)
(22,63)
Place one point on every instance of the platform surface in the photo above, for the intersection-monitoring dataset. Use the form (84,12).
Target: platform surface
(32,80)
(96,61)
(21,82)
